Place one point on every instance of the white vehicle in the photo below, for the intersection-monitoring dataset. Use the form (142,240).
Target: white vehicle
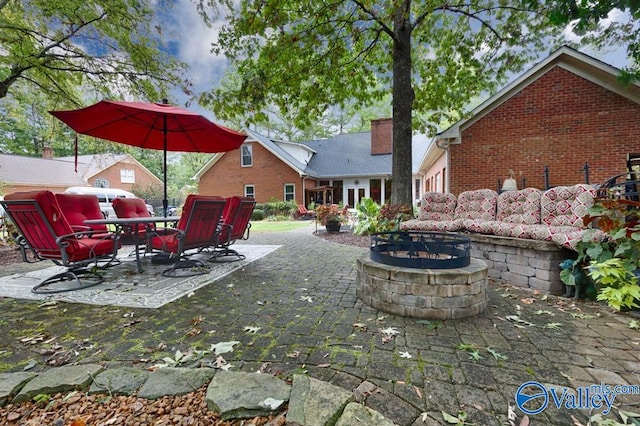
(105,197)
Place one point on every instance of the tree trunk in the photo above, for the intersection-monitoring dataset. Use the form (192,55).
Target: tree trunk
(402,106)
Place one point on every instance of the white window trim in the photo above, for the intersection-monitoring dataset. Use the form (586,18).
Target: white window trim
(254,191)
(284,190)
(250,147)
(124,176)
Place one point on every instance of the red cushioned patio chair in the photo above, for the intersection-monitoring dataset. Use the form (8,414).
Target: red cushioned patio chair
(44,225)
(196,229)
(129,208)
(234,226)
(80,207)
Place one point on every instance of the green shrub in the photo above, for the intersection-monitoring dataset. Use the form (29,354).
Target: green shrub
(258,214)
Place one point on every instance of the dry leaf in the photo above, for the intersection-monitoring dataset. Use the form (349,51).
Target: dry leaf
(324,365)
(418,391)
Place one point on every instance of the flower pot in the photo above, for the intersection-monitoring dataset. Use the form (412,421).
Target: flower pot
(333,226)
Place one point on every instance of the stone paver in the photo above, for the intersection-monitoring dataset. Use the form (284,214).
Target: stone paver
(301,302)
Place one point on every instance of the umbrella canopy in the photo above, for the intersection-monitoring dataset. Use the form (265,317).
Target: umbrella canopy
(154,126)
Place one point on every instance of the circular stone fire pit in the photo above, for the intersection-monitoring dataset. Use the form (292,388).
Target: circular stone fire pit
(422,275)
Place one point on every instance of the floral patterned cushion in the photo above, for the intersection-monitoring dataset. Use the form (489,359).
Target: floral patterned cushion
(476,207)
(566,205)
(430,225)
(437,206)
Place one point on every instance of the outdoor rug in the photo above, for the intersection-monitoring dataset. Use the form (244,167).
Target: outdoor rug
(124,287)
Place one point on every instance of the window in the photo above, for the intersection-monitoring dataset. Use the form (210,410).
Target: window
(438,183)
(101,183)
(127,176)
(289,192)
(417,193)
(247,155)
(250,191)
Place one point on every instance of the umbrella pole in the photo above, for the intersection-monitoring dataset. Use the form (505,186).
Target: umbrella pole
(165,201)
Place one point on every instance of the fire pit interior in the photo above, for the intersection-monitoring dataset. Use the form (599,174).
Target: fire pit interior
(422,275)
(415,249)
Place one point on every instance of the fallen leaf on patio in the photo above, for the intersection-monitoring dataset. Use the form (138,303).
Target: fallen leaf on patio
(405,355)
(324,365)
(219,362)
(360,326)
(193,332)
(197,320)
(418,391)
(224,347)
(553,325)
(130,323)
(390,331)
(271,403)
(32,340)
(528,300)
(294,354)
(424,416)
(79,422)
(475,355)
(633,324)
(252,330)
(496,355)
(32,363)
(387,339)
(541,312)
(306,299)
(358,347)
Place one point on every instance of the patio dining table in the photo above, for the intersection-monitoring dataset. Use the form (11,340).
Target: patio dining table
(132,225)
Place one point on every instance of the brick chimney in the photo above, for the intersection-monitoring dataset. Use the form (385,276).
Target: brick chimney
(381,136)
(47,152)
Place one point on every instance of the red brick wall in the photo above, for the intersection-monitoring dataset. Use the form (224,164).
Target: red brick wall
(562,121)
(142,177)
(268,175)
(381,136)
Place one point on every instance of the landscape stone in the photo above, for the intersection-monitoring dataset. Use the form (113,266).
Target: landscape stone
(119,381)
(62,379)
(175,381)
(356,414)
(315,403)
(237,395)
(11,383)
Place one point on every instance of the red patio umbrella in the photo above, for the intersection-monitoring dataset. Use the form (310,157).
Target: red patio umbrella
(152,125)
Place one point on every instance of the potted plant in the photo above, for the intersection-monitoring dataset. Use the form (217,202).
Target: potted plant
(614,262)
(331,216)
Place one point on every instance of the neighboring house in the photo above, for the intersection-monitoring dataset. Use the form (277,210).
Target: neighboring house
(341,169)
(19,173)
(565,112)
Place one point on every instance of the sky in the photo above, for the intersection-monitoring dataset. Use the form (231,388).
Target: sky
(191,42)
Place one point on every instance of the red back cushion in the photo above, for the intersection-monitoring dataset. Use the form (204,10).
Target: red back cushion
(130,207)
(79,207)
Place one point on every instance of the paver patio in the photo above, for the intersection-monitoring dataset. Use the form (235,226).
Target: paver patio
(295,310)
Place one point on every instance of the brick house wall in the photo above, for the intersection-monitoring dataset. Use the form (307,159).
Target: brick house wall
(562,121)
(142,178)
(268,176)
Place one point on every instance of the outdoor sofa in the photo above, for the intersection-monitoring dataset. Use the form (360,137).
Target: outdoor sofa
(523,235)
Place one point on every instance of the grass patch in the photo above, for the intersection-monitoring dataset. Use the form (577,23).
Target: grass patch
(279,226)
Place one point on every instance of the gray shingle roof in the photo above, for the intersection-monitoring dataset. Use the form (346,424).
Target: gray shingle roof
(16,169)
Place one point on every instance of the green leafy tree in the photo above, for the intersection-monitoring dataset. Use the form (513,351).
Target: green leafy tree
(590,21)
(305,57)
(63,46)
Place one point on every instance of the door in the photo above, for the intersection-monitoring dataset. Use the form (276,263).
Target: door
(355,194)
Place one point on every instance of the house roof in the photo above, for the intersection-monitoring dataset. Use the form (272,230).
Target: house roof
(21,170)
(344,155)
(349,155)
(92,164)
(565,57)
